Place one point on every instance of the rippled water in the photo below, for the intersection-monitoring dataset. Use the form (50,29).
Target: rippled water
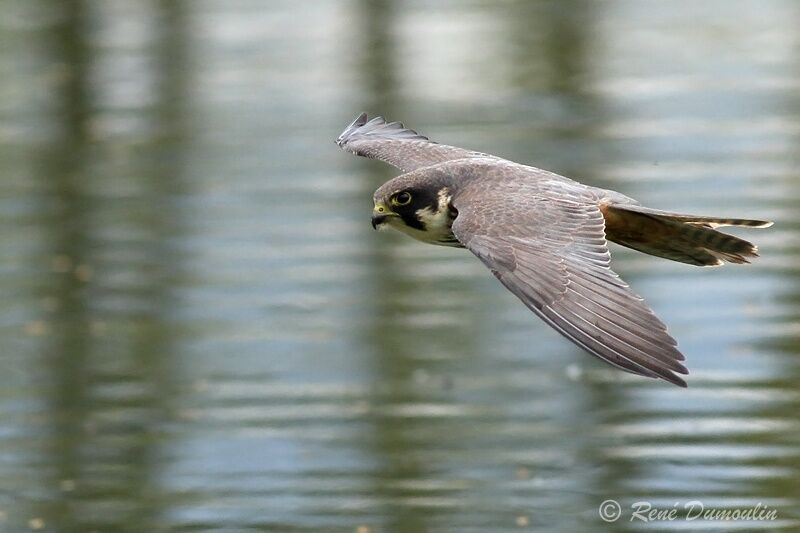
(200,330)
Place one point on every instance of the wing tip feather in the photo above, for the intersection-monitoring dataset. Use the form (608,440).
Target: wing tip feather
(675,380)
(351,128)
(376,128)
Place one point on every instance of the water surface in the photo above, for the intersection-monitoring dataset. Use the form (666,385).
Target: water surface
(200,330)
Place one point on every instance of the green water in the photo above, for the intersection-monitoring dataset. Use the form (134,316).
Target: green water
(201,332)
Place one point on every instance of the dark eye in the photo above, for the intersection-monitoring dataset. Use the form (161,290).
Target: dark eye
(404,198)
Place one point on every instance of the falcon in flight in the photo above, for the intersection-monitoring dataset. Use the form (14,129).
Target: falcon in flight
(545,237)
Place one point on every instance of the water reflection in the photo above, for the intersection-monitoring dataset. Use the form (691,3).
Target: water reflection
(391,351)
(201,330)
(108,354)
(68,353)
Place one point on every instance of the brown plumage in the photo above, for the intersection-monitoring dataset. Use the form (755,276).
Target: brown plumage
(544,237)
(684,238)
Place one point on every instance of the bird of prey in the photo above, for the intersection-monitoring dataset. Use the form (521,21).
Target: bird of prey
(544,236)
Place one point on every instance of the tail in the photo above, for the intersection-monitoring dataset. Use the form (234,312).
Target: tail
(684,238)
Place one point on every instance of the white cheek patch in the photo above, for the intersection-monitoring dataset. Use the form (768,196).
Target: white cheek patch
(437,223)
(427,216)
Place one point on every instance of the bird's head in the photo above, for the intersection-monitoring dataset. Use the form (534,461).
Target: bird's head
(420,209)
(403,207)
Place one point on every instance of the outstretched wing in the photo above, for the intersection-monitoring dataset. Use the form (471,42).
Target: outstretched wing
(552,255)
(394,144)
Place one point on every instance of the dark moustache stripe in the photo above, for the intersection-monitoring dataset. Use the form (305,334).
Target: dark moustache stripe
(412,221)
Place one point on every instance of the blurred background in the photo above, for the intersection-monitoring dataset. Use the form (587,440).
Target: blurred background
(200,330)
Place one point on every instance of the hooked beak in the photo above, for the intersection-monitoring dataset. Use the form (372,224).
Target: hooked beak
(379,215)
(377,220)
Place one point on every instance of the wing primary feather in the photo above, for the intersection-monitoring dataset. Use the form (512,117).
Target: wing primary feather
(621,320)
(612,354)
(393,143)
(642,318)
(585,342)
(625,342)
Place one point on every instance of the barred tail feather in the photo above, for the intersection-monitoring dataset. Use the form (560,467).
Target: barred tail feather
(712,222)
(684,238)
